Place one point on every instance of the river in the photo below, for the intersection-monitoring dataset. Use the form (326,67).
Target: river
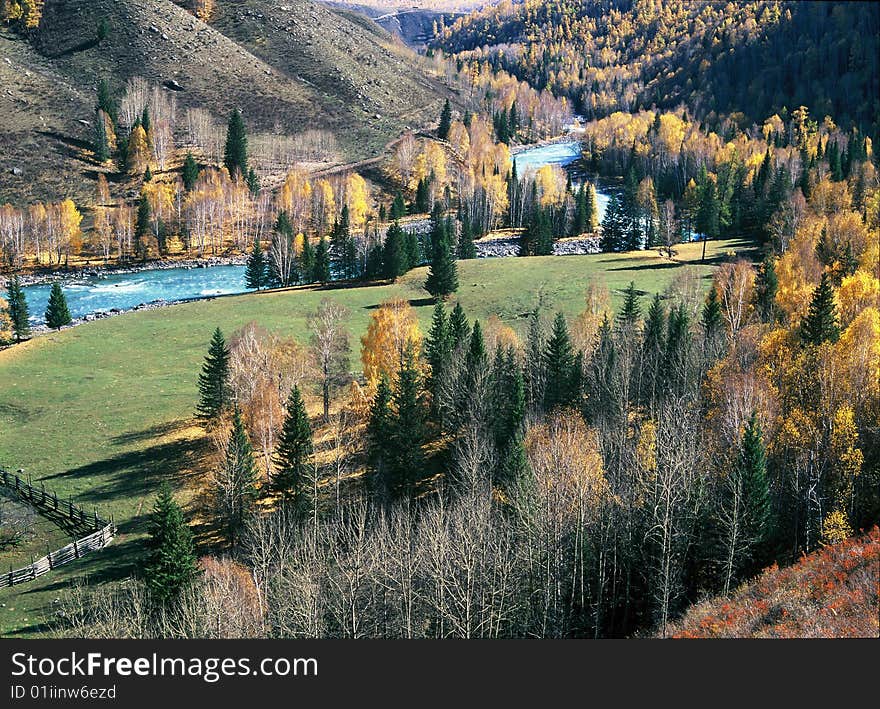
(125,291)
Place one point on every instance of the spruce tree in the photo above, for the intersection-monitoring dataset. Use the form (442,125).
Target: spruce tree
(148,175)
(442,273)
(321,273)
(765,289)
(253,182)
(820,323)
(190,172)
(614,226)
(214,379)
(235,151)
(413,249)
(653,347)
(559,366)
(407,428)
(292,454)
(101,146)
(445,121)
(57,312)
(466,248)
(146,122)
(307,260)
(395,261)
(632,309)
(379,428)
(711,316)
(438,352)
(171,562)
(235,484)
(398,207)
(255,270)
(106,103)
(579,222)
(459,327)
(423,196)
(142,227)
(18,310)
(534,363)
(756,486)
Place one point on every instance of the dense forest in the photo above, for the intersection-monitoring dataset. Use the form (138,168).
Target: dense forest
(747,60)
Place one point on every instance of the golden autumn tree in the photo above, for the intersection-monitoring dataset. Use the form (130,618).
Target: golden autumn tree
(138,157)
(393,328)
(69,219)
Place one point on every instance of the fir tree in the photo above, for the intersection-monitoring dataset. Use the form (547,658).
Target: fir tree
(18,309)
(438,352)
(293,452)
(101,145)
(214,379)
(190,172)
(653,347)
(146,122)
(106,103)
(253,182)
(235,484)
(57,312)
(614,226)
(255,270)
(579,222)
(413,249)
(142,227)
(711,315)
(534,363)
(148,175)
(820,323)
(171,562)
(632,309)
(423,196)
(445,121)
(321,273)
(559,366)
(307,260)
(235,150)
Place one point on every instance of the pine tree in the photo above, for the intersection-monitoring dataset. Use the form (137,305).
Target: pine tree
(614,226)
(653,347)
(171,563)
(148,175)
(438,352)
(57,312)
(413,249)
(820,323)
(235,484)
(632,309)
(190,173)
(442,272)
(445,121)
(105,100)
(423,196)
(253,182)
(307,260)
(293,452)
(142,227)
(579,222)
(213,381)
(255,270)
(534,363)
(235,151)
(18,309)
(395,260)
(559,366)
(340,238)
(146,123)
(321,272)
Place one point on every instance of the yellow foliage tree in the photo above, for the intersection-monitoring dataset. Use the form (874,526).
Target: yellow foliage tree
(357,197)
(138,151)
(5,322)
(393,327)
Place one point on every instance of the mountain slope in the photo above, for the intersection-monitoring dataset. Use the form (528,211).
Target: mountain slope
(290,68)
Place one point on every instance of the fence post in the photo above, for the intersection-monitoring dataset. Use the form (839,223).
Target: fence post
(75,549)
(33,569)
(49,556)
(11,577)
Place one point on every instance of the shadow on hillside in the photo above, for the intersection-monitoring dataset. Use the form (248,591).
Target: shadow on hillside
(414,302)
(162,429)
(652,267)
(81,47)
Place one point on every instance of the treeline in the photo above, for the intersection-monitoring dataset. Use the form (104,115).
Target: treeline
(750,60)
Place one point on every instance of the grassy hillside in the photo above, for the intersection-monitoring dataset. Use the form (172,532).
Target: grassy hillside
(290,68)
(106,435)
(832,593)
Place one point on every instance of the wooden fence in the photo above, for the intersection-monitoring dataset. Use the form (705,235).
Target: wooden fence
(96,532)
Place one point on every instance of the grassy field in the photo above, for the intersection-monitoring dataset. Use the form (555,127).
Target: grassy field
(103,412)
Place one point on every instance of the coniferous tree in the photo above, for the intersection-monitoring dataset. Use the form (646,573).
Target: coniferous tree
(653,347)
(614,226)
(101,145)
(405,458)
(398,207)
(379,428)
(321,273)
(423,196)
(214,379)
(293,452)
(146,122)
(253,182)
(442,273)
(534,363)
(142,227)
(820,323)
(395,260)
(18,309)
(235,484)
(57,312)
(413,249)
(459,327)
(106,103)
(235,150)
(509,405)
(148,175)
(445,121)
(632,309)
(559,360)
(765,289)
(255,270)
(171,562)
(190,172)
(307,260)
(466,248)
(438,352)
(711,316)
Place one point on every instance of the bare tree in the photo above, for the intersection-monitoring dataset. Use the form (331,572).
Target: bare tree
(330,347)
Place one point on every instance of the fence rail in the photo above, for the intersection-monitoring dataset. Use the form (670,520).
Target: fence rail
(97,533)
